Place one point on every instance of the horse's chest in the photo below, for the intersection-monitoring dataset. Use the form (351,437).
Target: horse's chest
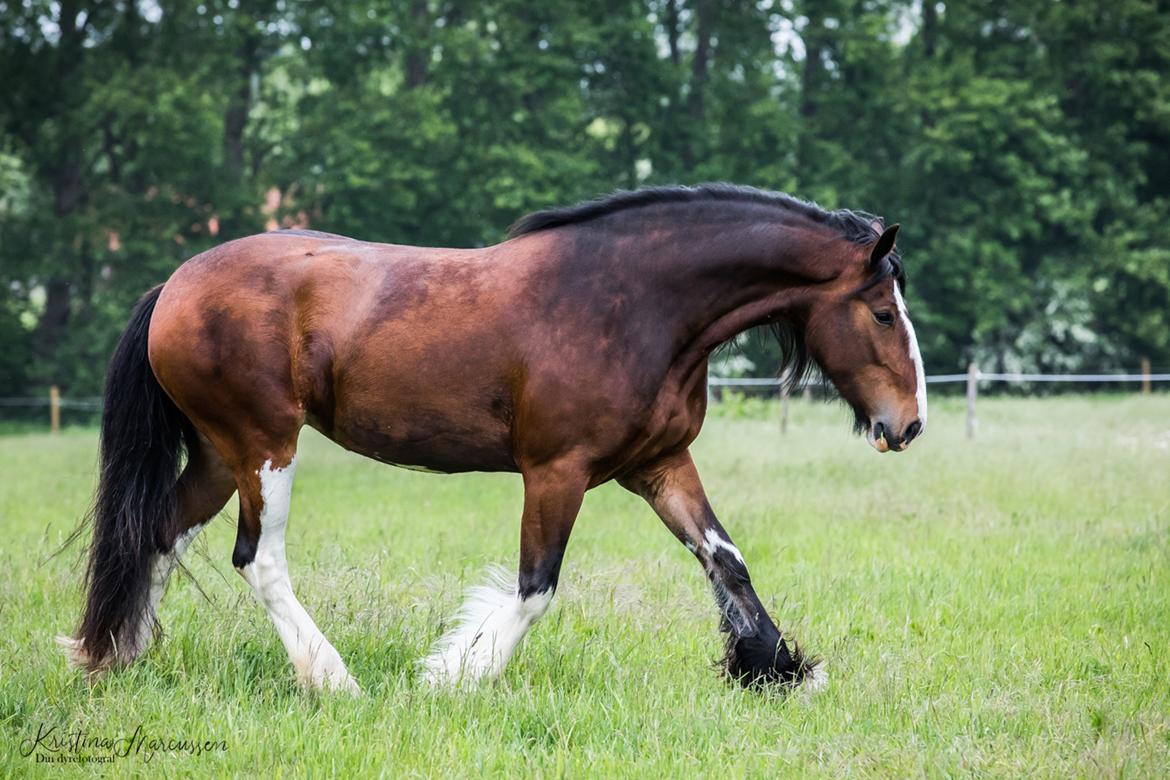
(683,419)
(671,425)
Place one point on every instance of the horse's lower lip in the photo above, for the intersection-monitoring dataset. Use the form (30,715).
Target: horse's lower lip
(879,444)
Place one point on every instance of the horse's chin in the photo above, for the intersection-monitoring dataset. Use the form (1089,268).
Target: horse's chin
(861,424)
(863,427)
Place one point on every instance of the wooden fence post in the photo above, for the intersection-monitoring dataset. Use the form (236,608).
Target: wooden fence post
(54,409)
(784,408)
(1145,376)
(972,392)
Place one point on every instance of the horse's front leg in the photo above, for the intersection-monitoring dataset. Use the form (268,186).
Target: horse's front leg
(756,654)
(497,615)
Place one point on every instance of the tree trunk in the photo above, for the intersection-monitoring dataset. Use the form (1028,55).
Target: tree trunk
(69,193)
(235,119)
(672,30)
(696,105)
(929,28)
(418,51)
(696,102)
(629,152)
(235,124)
(810,83)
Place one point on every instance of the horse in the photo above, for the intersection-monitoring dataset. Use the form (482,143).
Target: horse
(575,352)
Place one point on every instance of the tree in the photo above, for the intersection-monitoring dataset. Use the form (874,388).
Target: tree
(1023,145)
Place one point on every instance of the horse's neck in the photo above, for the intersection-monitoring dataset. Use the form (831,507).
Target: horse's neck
(708,284)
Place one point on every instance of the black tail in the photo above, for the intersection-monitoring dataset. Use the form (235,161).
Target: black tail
(134,514)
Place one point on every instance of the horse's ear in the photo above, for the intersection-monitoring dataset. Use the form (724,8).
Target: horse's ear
(884,245)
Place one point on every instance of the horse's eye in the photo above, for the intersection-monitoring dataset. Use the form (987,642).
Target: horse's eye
(884,318)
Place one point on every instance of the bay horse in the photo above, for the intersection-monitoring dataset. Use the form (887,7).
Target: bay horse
(575,353)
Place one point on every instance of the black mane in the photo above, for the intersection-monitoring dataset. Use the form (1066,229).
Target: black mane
(855,226)
(859,227)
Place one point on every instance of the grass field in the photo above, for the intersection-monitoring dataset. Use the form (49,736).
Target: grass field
(994,608)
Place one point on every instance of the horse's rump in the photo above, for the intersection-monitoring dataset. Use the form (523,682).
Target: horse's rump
(352,338)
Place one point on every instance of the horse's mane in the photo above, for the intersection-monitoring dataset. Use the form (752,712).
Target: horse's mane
(855,226)
(858,227)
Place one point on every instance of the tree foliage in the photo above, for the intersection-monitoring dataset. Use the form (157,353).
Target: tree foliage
(1023,145)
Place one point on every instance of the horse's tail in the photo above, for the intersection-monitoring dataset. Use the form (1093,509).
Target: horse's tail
(134,514)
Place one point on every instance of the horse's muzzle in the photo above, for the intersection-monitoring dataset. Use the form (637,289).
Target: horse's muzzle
(883,439)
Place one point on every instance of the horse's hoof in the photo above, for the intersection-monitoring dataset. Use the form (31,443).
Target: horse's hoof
(330,681)
(442,670)
(759,663)
(816,679)
(74,651)
(351,687)
(79,658)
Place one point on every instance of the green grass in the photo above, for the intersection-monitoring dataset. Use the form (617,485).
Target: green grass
(998,607)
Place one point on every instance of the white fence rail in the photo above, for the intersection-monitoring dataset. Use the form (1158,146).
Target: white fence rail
(56,403)
(973,377)
(718,381)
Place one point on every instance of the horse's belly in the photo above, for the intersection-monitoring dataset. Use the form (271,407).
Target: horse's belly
(424,441)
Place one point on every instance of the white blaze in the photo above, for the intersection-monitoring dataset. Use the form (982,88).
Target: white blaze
(915,355)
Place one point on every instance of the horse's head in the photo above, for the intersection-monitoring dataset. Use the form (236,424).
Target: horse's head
(860,334)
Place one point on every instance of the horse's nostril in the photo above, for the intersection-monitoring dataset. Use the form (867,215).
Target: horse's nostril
(879,431)
(912,431)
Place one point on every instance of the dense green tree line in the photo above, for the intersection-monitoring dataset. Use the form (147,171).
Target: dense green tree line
(1024,145)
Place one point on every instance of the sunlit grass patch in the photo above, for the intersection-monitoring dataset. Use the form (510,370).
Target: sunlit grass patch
(995,607)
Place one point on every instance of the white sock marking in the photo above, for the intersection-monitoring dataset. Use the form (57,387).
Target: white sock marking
(817,679)
(160,572)
(316,661)
(487,630)
(714,541)
(915,355)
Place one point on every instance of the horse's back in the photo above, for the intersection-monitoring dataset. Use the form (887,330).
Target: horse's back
(350,336)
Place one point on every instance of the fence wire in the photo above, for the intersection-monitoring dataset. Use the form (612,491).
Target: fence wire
(84,404)
(94,404)
(719,381)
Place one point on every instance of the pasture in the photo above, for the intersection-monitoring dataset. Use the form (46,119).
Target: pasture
(995,608)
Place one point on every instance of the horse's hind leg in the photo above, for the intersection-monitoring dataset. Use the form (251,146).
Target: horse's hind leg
(203,488)
(265,487)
